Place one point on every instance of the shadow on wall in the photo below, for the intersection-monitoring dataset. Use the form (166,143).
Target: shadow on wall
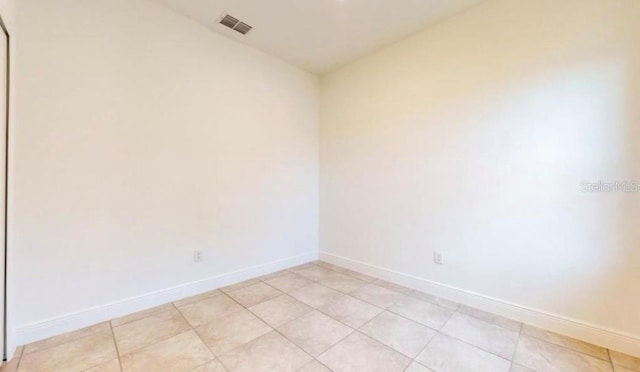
(478,146)
(558,128)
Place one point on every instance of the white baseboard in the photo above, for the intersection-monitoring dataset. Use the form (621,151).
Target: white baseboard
(69,322)
(597,335)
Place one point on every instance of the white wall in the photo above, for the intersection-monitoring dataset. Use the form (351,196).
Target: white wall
(472,138)
(142,137)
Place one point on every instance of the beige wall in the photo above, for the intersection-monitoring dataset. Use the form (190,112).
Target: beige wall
(472,137)
(142,137)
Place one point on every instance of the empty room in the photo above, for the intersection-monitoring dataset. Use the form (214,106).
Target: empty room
(320,185)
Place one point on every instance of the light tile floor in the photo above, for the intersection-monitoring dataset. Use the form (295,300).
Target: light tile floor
(315,317)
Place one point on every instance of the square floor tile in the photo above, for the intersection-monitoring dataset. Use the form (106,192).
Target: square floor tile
(624,360)
(254,294)
(341,282)
(208,310)
(540,355)
(431,315)
(280,310)
(316,295)
(183,352)
(358,353)
(568,342)
(267,353)
(377,295)
(77,355)
(232,330)
(315,332)
(503,322)
(446,354)
(486,336)
(288,282)
(401,334)
(350,311)
(146,331)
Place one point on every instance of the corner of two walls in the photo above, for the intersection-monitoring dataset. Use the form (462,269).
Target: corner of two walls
(474,138)
(472,146)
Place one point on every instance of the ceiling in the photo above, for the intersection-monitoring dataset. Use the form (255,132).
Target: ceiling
(320,35)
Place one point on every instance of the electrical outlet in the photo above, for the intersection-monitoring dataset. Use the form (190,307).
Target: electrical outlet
(197,256)
(438,258)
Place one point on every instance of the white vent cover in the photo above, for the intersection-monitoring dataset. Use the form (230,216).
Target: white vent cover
(235,24)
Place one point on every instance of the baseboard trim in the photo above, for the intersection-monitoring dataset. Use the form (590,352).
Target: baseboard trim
(70,322)
(597,335)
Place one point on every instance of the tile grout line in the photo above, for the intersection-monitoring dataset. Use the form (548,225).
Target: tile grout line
(519,334)
(24,353)
(135,320)
(312,309)
(357,330)
(522,324)
(20,358)
(570,349)
(472,345)
(298,346)
(515,351)
(163,338)
(244,308)
(482,320)
(174,307)
(273,329)
(431,340)
(613,366)
(363,334)
(113,337)
(387,309)
(354,329)
(215,356)
(438,331)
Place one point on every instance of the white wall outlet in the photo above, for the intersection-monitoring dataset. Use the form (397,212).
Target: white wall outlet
(438,257)
(197,256)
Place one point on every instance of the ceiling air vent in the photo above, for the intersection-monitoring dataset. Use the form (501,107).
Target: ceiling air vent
(243,28)
(235,24)
(229,21)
